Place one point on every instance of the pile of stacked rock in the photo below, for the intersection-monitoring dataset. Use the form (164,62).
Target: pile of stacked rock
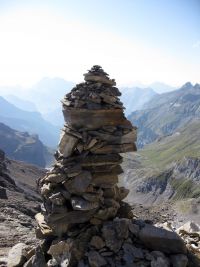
(83,220)
(82,186)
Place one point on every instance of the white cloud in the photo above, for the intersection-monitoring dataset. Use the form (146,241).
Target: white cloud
(38,44)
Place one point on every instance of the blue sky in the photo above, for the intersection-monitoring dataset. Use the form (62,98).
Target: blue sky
(138,40)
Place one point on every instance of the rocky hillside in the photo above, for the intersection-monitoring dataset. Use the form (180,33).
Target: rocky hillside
(183,143)
(23,146)
(166,113)
(19,201)
(167,170)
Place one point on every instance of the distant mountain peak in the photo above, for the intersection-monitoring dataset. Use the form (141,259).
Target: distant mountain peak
(187,85)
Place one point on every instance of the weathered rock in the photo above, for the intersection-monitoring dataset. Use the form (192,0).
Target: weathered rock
(131,253)
(45,229)
(189,227)
(162,240)
(133,228)
(111,149)
(38,260)
(110,237)
(99,79)
(104,180)
(93,119)
(56,177)
(158,262)
(16,256)
(72,217)
(66,144)
(79,183)
(60,252)
(79,203)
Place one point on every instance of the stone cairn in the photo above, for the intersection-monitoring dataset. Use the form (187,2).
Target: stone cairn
(83,220)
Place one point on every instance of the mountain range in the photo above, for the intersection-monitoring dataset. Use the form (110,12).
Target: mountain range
(134,98)
(166,113)
(45,96)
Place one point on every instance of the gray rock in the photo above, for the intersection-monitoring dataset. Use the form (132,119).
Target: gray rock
(16,255)
(133,228)
(78,203)
(79,183)
(162,240)
(60,252)
(110,237)
(179,260)
(66,144)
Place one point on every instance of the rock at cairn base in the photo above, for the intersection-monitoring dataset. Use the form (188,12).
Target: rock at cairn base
(83,220)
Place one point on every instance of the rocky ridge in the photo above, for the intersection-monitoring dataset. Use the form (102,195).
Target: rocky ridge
(83,220)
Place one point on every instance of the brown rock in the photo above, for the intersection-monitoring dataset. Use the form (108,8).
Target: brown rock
(104,180)
(94,119)
(77,216)
(55,177)
(99,79)
(101,160)
(128,138)
(112,149)
(44,227)
(97,242)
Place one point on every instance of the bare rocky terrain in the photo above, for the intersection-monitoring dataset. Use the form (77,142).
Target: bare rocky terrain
(19,202)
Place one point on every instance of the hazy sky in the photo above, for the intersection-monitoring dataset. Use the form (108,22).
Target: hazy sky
(134,40)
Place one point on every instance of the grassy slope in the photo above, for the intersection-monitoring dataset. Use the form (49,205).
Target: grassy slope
(184,143)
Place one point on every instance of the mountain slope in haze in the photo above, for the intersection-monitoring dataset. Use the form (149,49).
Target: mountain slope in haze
(44,96)
(21,103)
(161,88)
(22,146)
(166,113)
(31,122)
(134,98)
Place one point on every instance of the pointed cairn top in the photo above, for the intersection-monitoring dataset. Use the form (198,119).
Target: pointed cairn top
(97,74)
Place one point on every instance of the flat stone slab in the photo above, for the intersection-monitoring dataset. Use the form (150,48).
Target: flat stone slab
(162,240)
(101,160)
(98,79)
(94,119)
(104,180)
(109,149)
(128,138)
